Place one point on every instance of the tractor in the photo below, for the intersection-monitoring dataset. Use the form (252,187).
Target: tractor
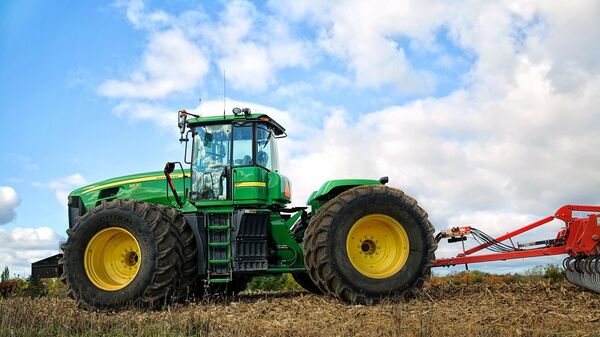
(208,225)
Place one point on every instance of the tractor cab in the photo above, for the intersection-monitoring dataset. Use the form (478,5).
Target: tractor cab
(234,159)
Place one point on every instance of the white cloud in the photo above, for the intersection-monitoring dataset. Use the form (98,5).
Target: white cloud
(170,64)
(365,36)
(9,200)
(19,247)
(140,111)
(251,46)
(512,145)
(62,186)
(140,18)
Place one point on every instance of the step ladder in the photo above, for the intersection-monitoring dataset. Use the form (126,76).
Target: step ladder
(218,225)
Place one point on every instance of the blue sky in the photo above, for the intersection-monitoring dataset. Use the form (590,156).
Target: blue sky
(475,109)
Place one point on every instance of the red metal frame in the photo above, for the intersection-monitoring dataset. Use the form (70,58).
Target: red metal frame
(580,237)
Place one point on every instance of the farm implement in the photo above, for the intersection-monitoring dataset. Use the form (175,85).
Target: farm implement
(208,225)
(579,239)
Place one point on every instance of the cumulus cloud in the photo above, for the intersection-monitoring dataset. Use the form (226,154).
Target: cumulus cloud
(62,186)
(251,47)
(511,145)
(367,37)
(171,63)
(9,200)
(142,111)
(19,247)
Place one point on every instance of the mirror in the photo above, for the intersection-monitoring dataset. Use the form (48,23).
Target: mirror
(181,122)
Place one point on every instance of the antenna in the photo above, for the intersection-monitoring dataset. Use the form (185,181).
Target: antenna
(224,93)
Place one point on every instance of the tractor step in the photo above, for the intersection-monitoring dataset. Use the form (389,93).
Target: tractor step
(220,227)
(219,280)
(219,261)
(219,244)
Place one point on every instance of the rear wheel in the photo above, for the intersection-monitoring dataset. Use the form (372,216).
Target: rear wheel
(122,253)
(370,242)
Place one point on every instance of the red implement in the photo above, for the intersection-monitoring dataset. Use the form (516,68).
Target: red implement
(580,237)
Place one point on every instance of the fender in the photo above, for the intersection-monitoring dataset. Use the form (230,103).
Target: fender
(330,189)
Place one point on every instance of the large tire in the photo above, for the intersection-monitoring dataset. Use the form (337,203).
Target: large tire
(159,267)
(330,240)
(304,280)
(187,242)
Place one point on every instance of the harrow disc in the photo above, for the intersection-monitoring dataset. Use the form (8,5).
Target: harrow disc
(583,272)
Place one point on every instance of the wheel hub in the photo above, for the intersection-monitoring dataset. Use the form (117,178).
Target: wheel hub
(112,258)
(367,247)
(377,246)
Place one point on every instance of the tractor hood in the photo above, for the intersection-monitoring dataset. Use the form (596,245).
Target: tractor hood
(122,181)
(149,187)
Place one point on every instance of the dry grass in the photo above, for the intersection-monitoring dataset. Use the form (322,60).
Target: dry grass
(498,309)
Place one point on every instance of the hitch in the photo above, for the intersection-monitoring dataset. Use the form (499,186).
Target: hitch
(455,234)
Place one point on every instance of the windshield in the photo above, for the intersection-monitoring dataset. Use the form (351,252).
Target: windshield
(213,153)
(209,161)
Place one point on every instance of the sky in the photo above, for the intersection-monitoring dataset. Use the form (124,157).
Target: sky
(487,112)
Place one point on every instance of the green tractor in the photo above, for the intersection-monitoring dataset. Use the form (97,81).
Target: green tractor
(150,239)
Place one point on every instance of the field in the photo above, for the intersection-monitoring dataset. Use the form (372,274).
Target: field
(446,309)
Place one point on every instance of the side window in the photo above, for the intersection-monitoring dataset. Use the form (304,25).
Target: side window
(209,159)
(242,145)
(266,149)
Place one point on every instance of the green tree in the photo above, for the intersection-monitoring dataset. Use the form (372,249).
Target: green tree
(5,276)
(554,273)
(35,287)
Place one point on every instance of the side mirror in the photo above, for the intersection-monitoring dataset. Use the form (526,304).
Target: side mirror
(182,123)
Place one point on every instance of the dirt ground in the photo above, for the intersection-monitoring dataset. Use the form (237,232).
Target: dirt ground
(528,309)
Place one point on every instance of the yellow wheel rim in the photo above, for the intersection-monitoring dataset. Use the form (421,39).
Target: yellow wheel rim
(377,246)
(112,258)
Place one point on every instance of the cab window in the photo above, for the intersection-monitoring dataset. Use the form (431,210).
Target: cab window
(266,148)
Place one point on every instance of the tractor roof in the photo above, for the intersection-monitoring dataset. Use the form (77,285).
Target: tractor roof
(226,119)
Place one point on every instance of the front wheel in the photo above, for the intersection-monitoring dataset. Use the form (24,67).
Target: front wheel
(370,242)
(122,253)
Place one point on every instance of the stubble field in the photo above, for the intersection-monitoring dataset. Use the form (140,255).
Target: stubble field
(497,309)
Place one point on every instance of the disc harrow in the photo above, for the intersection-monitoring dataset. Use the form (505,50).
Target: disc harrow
(579,239)
(583,271)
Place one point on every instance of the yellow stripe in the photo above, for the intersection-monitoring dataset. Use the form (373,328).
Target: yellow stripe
(251,184)
(131,181)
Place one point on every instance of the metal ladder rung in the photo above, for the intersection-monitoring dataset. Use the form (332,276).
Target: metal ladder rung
(218,244)
(220,280)
(219,261)
(219,227)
